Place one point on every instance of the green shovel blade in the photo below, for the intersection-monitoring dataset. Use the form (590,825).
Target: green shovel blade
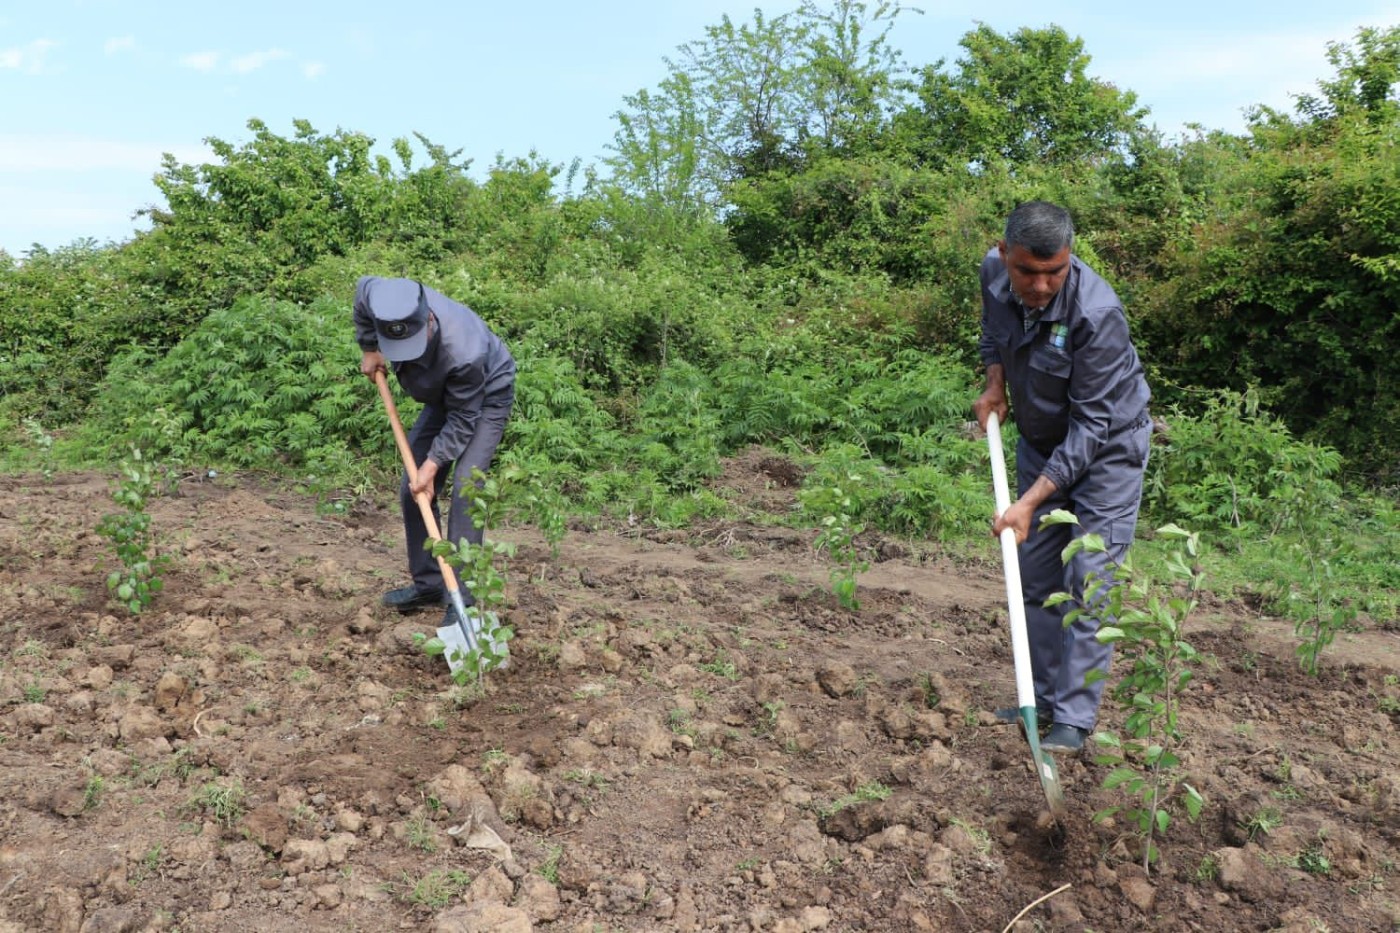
(1044,763)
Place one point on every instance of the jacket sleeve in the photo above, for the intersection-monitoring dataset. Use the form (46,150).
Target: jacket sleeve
(1104,362)
(365,334)
(463,396)
(986,346)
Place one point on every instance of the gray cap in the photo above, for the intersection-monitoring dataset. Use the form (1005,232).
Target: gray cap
(400,310)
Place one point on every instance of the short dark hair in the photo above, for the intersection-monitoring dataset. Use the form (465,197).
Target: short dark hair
(1041,227)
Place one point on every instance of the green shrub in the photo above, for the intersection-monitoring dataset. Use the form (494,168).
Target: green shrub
(260,384)
(1235,470)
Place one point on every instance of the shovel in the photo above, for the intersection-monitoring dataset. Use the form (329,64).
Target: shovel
(461,639)
(1020,644)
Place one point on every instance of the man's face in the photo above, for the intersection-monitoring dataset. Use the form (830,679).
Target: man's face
(1034,281)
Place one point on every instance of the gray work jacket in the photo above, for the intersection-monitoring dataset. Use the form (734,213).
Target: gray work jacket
(1075,378)
(464,365)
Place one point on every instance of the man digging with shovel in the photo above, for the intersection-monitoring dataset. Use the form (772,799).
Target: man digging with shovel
(447,358)
(1055,335)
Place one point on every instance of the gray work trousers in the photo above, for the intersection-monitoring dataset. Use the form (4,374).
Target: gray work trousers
(490,426)
(1105,500)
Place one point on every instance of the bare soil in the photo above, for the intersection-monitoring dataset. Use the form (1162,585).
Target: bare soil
(686,739)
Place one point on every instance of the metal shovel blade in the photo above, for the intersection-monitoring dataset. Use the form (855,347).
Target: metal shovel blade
(466,635)
(458,639)
(455,646)
(1020,644)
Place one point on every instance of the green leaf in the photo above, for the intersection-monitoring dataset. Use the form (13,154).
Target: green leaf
(1058,517)
(1118,776)
(1193,802)
(1106,813)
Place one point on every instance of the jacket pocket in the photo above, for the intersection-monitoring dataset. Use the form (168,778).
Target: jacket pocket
(1050,370)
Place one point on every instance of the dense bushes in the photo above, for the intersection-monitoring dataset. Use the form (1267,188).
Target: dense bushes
(257,384)
(787,303)
(63,315)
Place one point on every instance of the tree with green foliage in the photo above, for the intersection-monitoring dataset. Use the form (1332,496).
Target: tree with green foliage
(1289,275)
(270,207)
(758,97)
(1025,98)
(1367,75)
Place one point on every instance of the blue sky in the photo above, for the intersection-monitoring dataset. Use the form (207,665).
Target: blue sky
(93,91)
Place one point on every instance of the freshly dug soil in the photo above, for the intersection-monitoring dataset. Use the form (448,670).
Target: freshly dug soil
(692,735)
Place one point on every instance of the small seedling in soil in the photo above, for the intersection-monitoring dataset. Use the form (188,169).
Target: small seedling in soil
(419,833)
(479,569)
(549,868)
(43,442)
(436,889)
(1145,622)
(679,722)
(872,790)
(721,666)
(837,538)
(465,695)
(1314,861)
(148,866)
(1262,822)
(224,804)
(138,581)
(929,691)
(981,839)
(769,720)
(587,778)
(1208,870)
(92,793)
(33,649)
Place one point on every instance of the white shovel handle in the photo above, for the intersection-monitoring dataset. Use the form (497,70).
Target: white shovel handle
(1011,568)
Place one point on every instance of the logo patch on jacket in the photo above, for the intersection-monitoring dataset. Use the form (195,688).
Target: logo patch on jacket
(1058,334)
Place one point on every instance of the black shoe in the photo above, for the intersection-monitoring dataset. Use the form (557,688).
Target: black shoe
(1064,738)
(1011,715)
(411,599)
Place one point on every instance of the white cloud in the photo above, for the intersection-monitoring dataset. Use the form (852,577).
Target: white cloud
(313,70)
(200,61)
(119,44)
(70,153)
(255,60)
(27,58)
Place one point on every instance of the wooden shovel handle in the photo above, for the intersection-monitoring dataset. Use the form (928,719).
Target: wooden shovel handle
(449,579)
